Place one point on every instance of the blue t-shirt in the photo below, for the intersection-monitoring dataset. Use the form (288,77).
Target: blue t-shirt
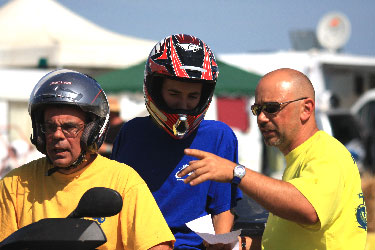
(157,157)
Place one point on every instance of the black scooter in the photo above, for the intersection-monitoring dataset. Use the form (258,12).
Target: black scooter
(71,232)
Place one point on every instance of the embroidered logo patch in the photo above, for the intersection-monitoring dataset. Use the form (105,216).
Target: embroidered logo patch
(361,214)
(183,167)
(100,220)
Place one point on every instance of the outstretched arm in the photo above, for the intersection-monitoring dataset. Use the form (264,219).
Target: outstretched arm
(279,197)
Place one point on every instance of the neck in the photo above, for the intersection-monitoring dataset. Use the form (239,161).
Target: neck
(300,139)
(87,161)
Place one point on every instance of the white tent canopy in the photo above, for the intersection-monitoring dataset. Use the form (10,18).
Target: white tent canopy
(44,29)
(18,83)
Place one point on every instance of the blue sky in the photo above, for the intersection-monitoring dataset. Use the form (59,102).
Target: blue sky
(233,26)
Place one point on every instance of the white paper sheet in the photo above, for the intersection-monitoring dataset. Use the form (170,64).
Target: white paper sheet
(204,228)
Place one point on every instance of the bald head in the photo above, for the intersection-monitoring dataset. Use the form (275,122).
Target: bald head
(289,83)
(290,121)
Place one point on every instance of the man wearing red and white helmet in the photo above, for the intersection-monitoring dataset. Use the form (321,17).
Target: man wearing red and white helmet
(182,58)
(179,82)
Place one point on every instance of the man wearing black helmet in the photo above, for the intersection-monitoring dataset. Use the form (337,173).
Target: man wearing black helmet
(70,113)
(180,77)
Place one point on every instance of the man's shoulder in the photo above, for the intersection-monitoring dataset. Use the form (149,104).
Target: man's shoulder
(104,162)
(323,139)
(217,128)
(216,125)
(137,123)
(113,166)
(324,147)
(38,167)
(139,120)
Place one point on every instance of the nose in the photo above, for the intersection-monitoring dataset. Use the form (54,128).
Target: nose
(182,103)
(58,133)
(262,118)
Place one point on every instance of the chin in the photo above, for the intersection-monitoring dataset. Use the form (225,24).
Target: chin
(61,163)
(272,142)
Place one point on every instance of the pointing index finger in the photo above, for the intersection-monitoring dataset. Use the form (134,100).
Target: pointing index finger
(196,153)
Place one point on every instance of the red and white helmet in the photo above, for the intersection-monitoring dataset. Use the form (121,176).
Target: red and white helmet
(183,58)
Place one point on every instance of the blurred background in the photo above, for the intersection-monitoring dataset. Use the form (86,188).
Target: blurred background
(332,42)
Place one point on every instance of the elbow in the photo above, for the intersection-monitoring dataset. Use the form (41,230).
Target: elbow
(311,218)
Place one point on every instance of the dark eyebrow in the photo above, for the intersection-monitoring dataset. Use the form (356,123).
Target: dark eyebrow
(271,103)
(64,124)
(70,123)
(174,91)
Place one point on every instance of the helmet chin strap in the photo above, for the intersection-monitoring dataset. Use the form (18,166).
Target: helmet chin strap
(81,158)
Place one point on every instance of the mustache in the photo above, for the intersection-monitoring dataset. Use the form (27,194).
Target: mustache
(266,126)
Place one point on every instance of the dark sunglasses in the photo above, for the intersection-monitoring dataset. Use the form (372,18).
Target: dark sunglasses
(271,107)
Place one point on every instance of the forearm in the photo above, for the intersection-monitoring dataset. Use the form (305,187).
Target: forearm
(223,222)
(279,197)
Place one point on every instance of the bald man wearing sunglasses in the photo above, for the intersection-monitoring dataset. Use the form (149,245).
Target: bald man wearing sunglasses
(319,203)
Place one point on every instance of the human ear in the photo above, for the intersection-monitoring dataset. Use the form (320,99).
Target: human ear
(307,109)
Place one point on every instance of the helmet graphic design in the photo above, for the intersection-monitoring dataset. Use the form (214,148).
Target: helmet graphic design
(67,87)
(183,58)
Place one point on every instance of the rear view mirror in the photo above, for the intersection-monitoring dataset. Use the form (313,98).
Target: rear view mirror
(98,202)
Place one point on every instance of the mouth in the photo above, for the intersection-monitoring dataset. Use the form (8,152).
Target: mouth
(59,151)
(268,132)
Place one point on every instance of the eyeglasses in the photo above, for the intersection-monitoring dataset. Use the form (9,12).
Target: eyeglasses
(271,107)
(70,130)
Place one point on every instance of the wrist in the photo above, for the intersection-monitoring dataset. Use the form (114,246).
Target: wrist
(239,172)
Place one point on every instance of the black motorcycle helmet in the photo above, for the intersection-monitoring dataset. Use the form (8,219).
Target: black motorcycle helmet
(67,87)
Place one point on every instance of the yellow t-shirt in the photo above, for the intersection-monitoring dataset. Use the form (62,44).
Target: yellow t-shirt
(28,195)
(323,170)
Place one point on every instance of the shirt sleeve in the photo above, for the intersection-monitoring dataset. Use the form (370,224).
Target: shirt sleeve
(8,218)
(224,196)
(320,181)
